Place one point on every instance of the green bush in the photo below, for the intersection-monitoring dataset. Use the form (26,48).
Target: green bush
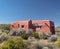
(24,36)
(36,35)
(58,42)
(15,43)
(3,37)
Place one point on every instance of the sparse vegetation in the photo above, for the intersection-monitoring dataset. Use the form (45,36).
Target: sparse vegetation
(58,42)
(5,26)
(35,35)
(20,39)
(24,36)
(13,32)
(30,32)
(53,38)
(15,43)
(43,35)
(3,37)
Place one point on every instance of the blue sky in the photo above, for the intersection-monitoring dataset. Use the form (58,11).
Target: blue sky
(15,10)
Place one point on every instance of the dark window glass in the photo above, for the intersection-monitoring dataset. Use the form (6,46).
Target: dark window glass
(22,26)
(37,26)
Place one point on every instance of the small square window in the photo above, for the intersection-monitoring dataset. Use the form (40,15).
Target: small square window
(22,26)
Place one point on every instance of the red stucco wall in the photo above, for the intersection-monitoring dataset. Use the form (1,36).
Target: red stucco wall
(45,25)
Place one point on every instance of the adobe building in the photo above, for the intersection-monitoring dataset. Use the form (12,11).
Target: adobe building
(37,26)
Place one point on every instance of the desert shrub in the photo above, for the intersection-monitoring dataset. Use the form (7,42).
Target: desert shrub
(15,43)
(24,36)
(38,47)
(6,31)
(43,42)
(6,27)
(31,40)
(30,32)
(13,32)
(45,48)
(3,37)
(34,46)
(37,44)
(43,35)
(52,46)
(20,32)
(49,34)
(17,32)
(53,38)
(36,35)
(20,43)
(58,42)
(0,47)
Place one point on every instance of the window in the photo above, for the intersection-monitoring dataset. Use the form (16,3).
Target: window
(37,26)
(22,26)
